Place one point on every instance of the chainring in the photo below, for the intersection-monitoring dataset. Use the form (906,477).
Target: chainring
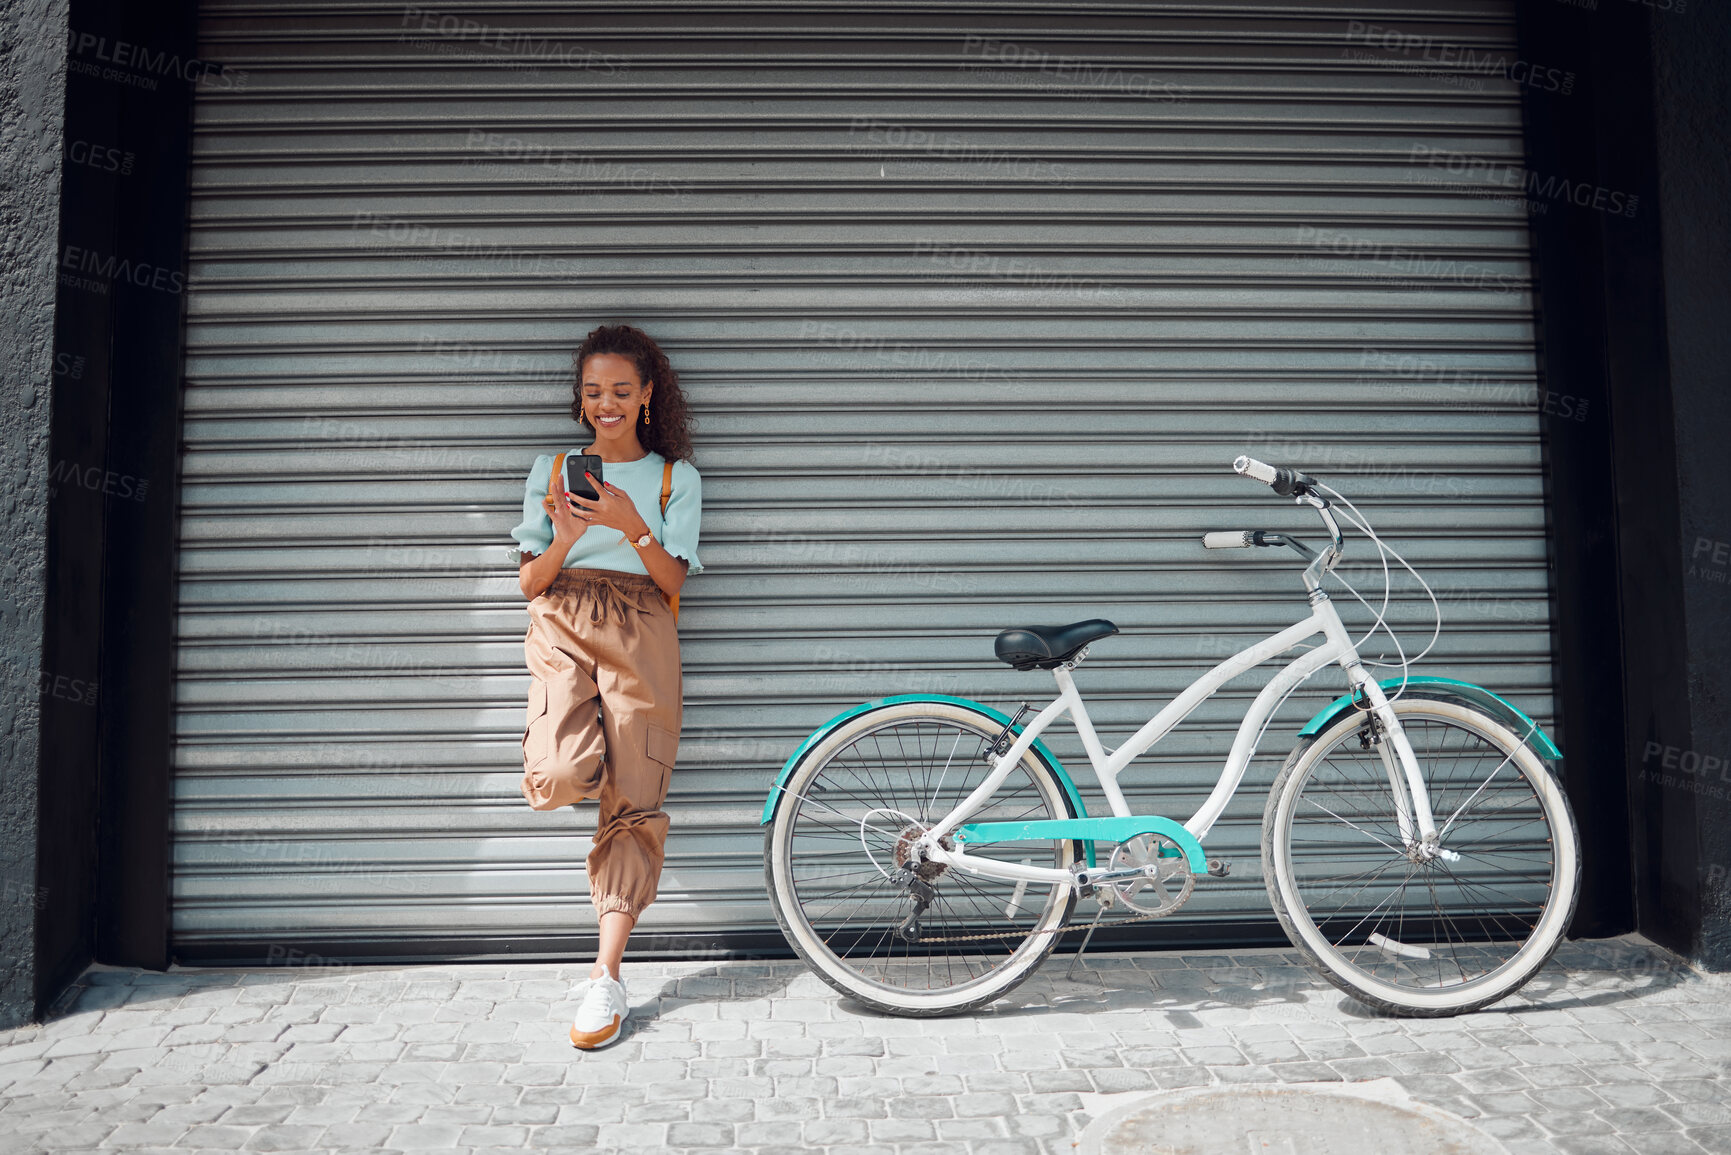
(1160,895)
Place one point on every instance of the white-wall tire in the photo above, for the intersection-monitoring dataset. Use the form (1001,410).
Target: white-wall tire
(976,975)
(1387,972)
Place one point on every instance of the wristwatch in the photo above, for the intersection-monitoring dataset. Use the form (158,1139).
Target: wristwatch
(642,542)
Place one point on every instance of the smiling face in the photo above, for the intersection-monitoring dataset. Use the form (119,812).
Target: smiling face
(613,400)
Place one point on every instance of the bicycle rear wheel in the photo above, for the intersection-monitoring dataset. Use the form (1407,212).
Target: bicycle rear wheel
(1399,931)
(835,850)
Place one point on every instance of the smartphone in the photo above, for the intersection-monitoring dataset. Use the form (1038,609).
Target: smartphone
(576,464)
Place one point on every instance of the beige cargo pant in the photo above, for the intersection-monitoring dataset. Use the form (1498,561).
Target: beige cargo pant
(603,721)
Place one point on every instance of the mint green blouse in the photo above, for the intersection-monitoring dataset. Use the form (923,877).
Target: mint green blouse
(603,548)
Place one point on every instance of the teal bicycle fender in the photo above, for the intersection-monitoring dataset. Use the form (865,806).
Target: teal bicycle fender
(1495,705)
(1104,829)
(824,731)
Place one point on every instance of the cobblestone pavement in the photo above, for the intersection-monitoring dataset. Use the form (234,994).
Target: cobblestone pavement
(1615,1047)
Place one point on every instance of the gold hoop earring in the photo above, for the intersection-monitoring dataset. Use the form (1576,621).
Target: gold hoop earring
(646,413)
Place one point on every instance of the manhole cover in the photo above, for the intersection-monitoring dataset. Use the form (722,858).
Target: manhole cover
(1247,1120)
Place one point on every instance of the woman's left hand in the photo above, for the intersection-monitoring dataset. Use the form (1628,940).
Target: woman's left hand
(614,509)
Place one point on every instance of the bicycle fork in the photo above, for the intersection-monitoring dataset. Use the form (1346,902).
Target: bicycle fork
(1383,732)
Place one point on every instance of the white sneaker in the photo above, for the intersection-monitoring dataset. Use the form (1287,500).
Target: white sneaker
(601,1013)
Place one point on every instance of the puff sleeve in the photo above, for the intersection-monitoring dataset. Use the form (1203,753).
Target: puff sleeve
(684,513)
(535,533)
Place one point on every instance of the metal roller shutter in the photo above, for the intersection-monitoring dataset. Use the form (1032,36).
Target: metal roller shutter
(971,333)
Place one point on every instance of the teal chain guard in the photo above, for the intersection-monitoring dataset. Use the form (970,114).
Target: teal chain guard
(1091,829)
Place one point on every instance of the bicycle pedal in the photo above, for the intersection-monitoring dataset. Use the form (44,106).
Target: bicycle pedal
(1219,867)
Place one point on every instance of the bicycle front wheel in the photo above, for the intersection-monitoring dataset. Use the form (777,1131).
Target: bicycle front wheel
(1401,931)
(835,851)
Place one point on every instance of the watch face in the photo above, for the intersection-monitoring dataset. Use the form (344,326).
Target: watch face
(645,540)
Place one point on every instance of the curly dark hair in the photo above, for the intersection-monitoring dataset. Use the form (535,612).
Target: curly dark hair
(669,430)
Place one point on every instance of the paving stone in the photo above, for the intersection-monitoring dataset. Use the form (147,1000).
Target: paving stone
(215,1137)
(1668,1143)
(984,1127)
(1715,1139)
(282,1138)
(372,1135)
(920,1107)
(1593,1145)
(1700,1114)
(659,1111)
(1570,1123)
(1114,1081)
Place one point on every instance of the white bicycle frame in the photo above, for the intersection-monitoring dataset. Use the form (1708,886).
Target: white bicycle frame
(1410,799)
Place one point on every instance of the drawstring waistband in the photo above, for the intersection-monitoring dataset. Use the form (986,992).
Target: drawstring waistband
(609,592)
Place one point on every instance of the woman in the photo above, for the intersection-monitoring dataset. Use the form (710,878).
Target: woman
(604,703)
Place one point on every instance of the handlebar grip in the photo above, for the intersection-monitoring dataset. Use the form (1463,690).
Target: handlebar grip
(1254,469)
(1228,539)
(1285,482)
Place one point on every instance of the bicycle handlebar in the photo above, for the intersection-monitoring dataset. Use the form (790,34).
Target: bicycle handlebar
(1285,482)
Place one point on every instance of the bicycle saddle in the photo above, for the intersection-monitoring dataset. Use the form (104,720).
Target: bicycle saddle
(1042,647)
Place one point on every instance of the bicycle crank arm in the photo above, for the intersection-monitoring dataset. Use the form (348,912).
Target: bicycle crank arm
(1101,874)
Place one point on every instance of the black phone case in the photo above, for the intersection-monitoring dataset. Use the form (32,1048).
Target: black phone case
(575,466)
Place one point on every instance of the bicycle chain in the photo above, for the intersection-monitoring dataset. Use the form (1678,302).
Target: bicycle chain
(922,940)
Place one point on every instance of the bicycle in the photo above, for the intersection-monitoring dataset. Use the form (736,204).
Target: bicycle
(924,852)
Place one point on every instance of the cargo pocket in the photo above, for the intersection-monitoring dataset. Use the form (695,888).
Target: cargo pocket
(662,747)
(534,730)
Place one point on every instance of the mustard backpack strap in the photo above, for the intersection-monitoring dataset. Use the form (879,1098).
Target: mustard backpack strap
(553,484)
(667,492)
